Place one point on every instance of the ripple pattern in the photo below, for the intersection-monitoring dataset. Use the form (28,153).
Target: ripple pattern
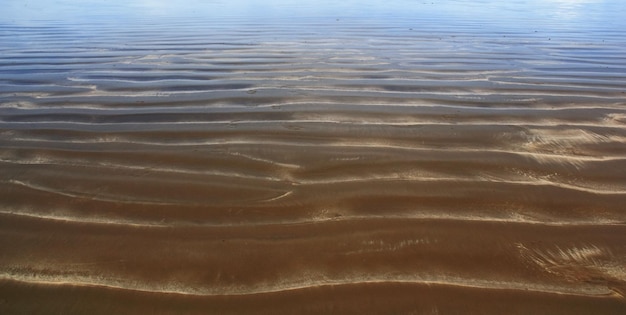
(243,167)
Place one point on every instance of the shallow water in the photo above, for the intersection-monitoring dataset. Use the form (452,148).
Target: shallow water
(313,157)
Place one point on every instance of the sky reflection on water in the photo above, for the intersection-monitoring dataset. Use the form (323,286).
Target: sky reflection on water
(515,14)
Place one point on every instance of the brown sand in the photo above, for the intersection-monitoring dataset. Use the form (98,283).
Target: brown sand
(349,175)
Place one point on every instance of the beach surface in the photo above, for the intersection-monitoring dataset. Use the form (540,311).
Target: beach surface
(459,157)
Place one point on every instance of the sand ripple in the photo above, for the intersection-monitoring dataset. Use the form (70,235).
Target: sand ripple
(251,167)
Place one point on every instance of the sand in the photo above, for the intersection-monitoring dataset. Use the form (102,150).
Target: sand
(349,165)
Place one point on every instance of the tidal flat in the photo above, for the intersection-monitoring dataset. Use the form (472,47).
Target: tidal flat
(313,157)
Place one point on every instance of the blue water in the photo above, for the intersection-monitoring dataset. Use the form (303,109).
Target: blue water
(517,15)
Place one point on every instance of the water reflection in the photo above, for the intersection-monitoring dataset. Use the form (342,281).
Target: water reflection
(509,14)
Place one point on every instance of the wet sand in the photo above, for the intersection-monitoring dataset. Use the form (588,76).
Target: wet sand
(335,166)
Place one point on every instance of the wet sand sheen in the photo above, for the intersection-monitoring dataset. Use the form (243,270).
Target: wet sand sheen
(248,167)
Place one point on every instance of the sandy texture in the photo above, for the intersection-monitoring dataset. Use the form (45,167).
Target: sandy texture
(321,166)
